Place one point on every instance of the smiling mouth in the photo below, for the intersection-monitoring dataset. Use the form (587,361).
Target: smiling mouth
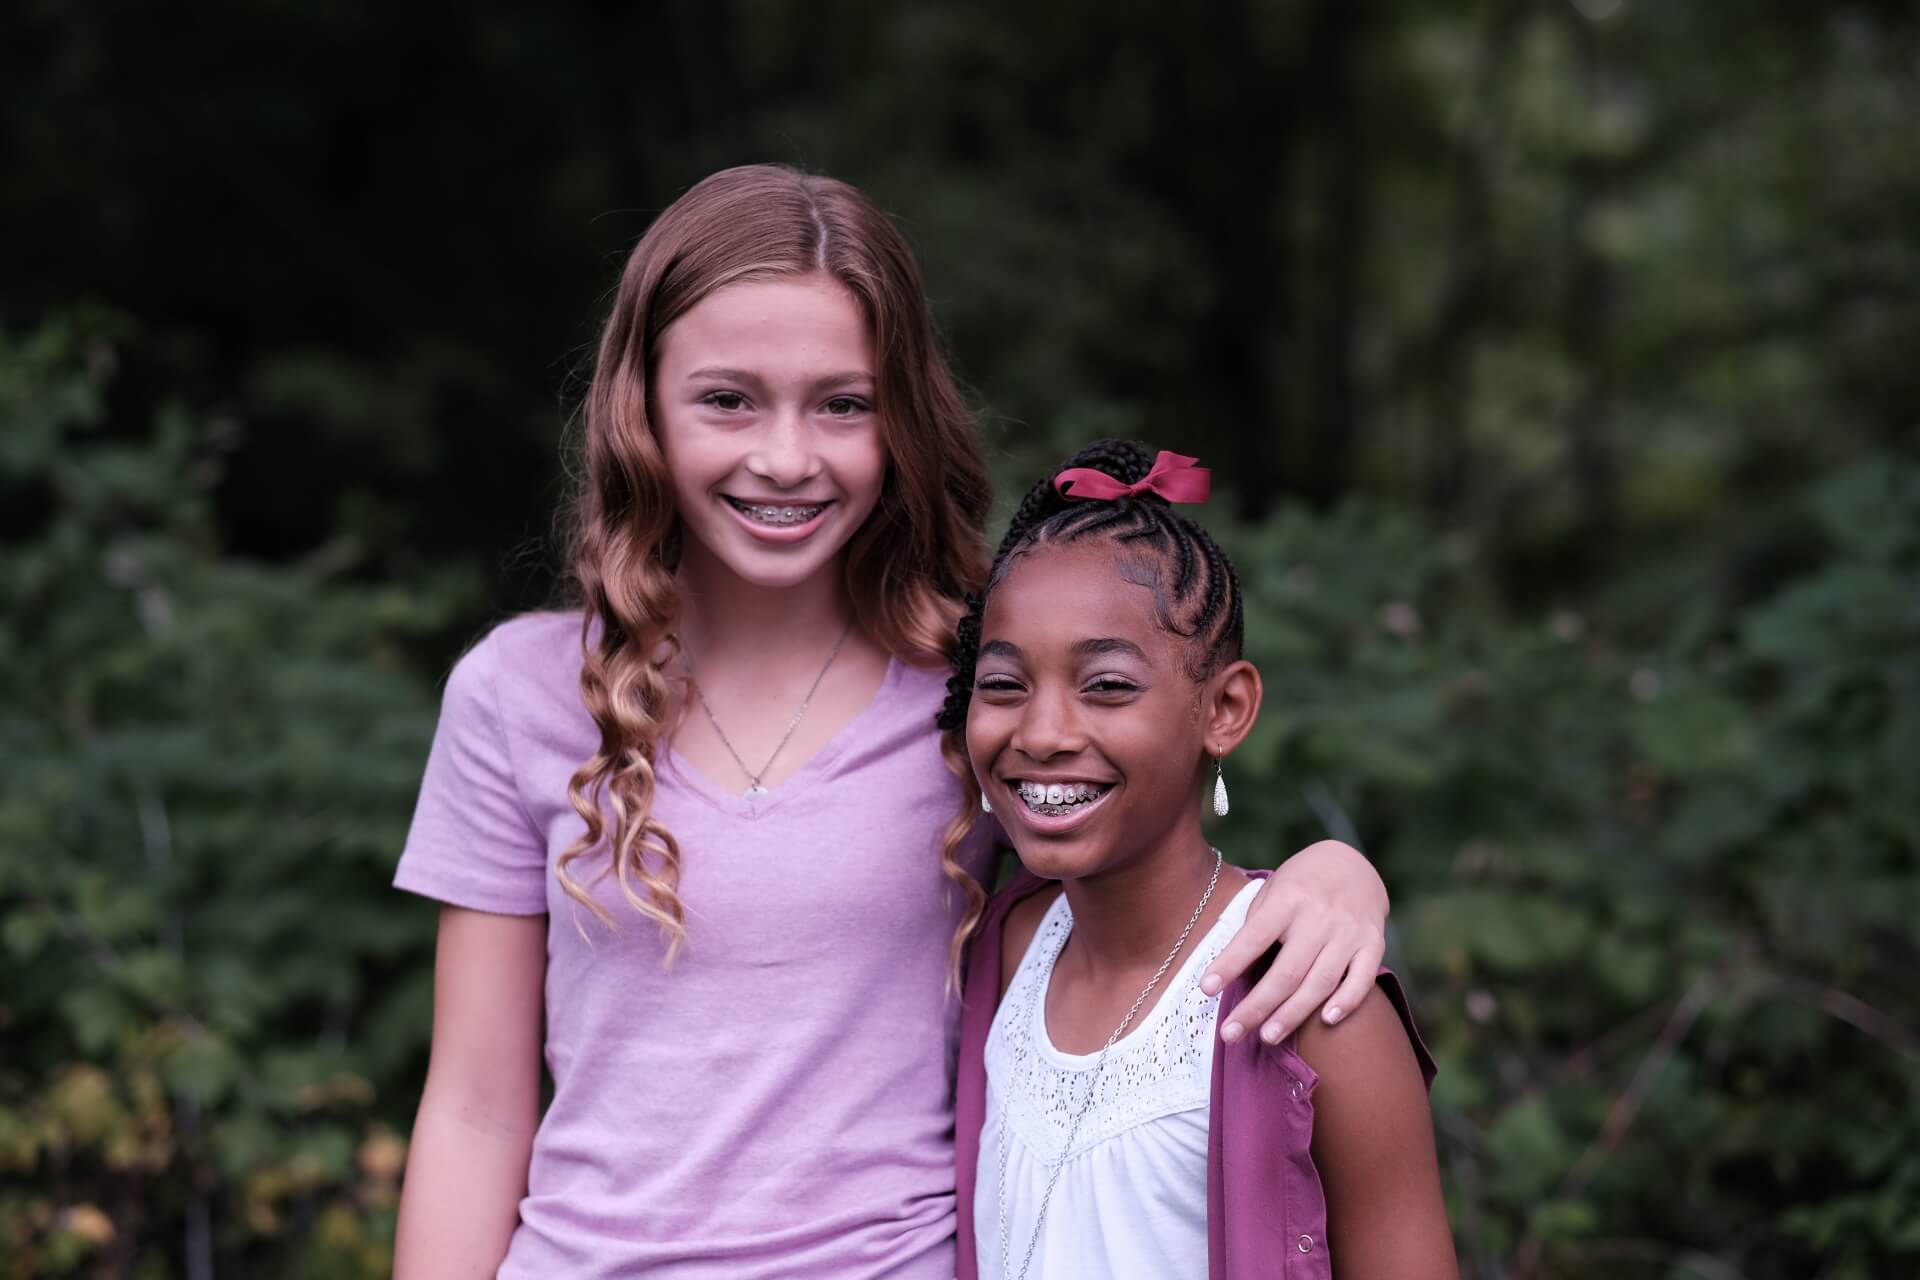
(778,515)
(1056,799)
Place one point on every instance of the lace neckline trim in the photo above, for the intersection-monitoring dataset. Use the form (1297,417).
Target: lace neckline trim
(1057,925)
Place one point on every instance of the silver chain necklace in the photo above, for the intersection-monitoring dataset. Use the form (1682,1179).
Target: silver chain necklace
(1093,1087)
(754,790)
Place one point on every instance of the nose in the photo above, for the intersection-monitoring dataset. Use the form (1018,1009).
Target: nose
(1049,725)
(784,455)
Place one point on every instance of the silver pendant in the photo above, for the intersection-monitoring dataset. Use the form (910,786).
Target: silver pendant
(754,792)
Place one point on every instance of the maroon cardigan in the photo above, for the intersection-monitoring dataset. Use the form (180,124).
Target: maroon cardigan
(1266,1213)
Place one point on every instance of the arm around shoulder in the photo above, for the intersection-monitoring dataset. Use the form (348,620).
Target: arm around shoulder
(473,1135)
(1373,1146)
(1327,906)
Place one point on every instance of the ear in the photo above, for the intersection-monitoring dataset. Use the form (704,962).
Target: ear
(1229,706)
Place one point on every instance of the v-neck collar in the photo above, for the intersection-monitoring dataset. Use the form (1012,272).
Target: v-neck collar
(736,803)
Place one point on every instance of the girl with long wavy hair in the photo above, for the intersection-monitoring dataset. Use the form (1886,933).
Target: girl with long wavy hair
(689,834)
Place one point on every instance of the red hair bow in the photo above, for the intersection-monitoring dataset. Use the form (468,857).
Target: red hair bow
(1173,477)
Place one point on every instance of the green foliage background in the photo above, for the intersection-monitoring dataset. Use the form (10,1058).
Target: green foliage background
(1557,360)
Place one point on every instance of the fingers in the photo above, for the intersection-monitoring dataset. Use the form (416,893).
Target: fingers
(1359,983)
(1289,969)
(1269,916)
(1306,995)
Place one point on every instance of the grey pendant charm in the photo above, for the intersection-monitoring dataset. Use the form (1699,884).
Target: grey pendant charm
(754,792)
(1219,791)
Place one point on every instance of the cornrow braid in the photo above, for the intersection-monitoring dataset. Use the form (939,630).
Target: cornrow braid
(1196,591)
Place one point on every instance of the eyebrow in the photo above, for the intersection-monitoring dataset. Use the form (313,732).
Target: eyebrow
(1109,645)
(830,382)
(1093,648)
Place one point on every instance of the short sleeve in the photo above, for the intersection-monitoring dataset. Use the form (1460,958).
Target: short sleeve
(471,843)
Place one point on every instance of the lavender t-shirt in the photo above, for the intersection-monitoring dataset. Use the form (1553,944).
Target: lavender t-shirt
(780,1102)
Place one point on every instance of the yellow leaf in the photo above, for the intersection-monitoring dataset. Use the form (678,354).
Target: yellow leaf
(382,1156)
(87,1222)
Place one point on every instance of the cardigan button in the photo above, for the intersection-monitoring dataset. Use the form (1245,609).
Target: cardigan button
(1306,1244)
(1298,1091)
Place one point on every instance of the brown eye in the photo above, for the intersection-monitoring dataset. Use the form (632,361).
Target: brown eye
(725,401)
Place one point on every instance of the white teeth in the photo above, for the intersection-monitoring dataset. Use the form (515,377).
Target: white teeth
(778,515)
(1059,793)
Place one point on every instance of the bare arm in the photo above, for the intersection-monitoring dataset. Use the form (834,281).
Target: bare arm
(473,1136)
(1373,1146)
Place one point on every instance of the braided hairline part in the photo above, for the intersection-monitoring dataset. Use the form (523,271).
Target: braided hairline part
(1196,591)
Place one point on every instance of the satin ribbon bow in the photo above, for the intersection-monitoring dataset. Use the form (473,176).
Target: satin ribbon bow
(1173,476)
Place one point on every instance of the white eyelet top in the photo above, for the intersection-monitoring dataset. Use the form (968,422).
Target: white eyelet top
(1132,1200)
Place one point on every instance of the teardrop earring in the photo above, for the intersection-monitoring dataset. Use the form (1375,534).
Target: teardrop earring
(1219,790)
(986,806)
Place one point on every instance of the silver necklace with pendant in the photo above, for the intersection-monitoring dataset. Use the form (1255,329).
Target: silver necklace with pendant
(1034,992)
(754,790)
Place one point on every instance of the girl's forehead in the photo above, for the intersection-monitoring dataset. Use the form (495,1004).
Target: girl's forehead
(1061,594)
(788,320)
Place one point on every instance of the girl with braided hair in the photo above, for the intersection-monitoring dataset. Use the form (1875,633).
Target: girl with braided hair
(1097,685)
(685,831)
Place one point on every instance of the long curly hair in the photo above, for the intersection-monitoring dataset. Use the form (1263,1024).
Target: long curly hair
(908,569)
(1196,596)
